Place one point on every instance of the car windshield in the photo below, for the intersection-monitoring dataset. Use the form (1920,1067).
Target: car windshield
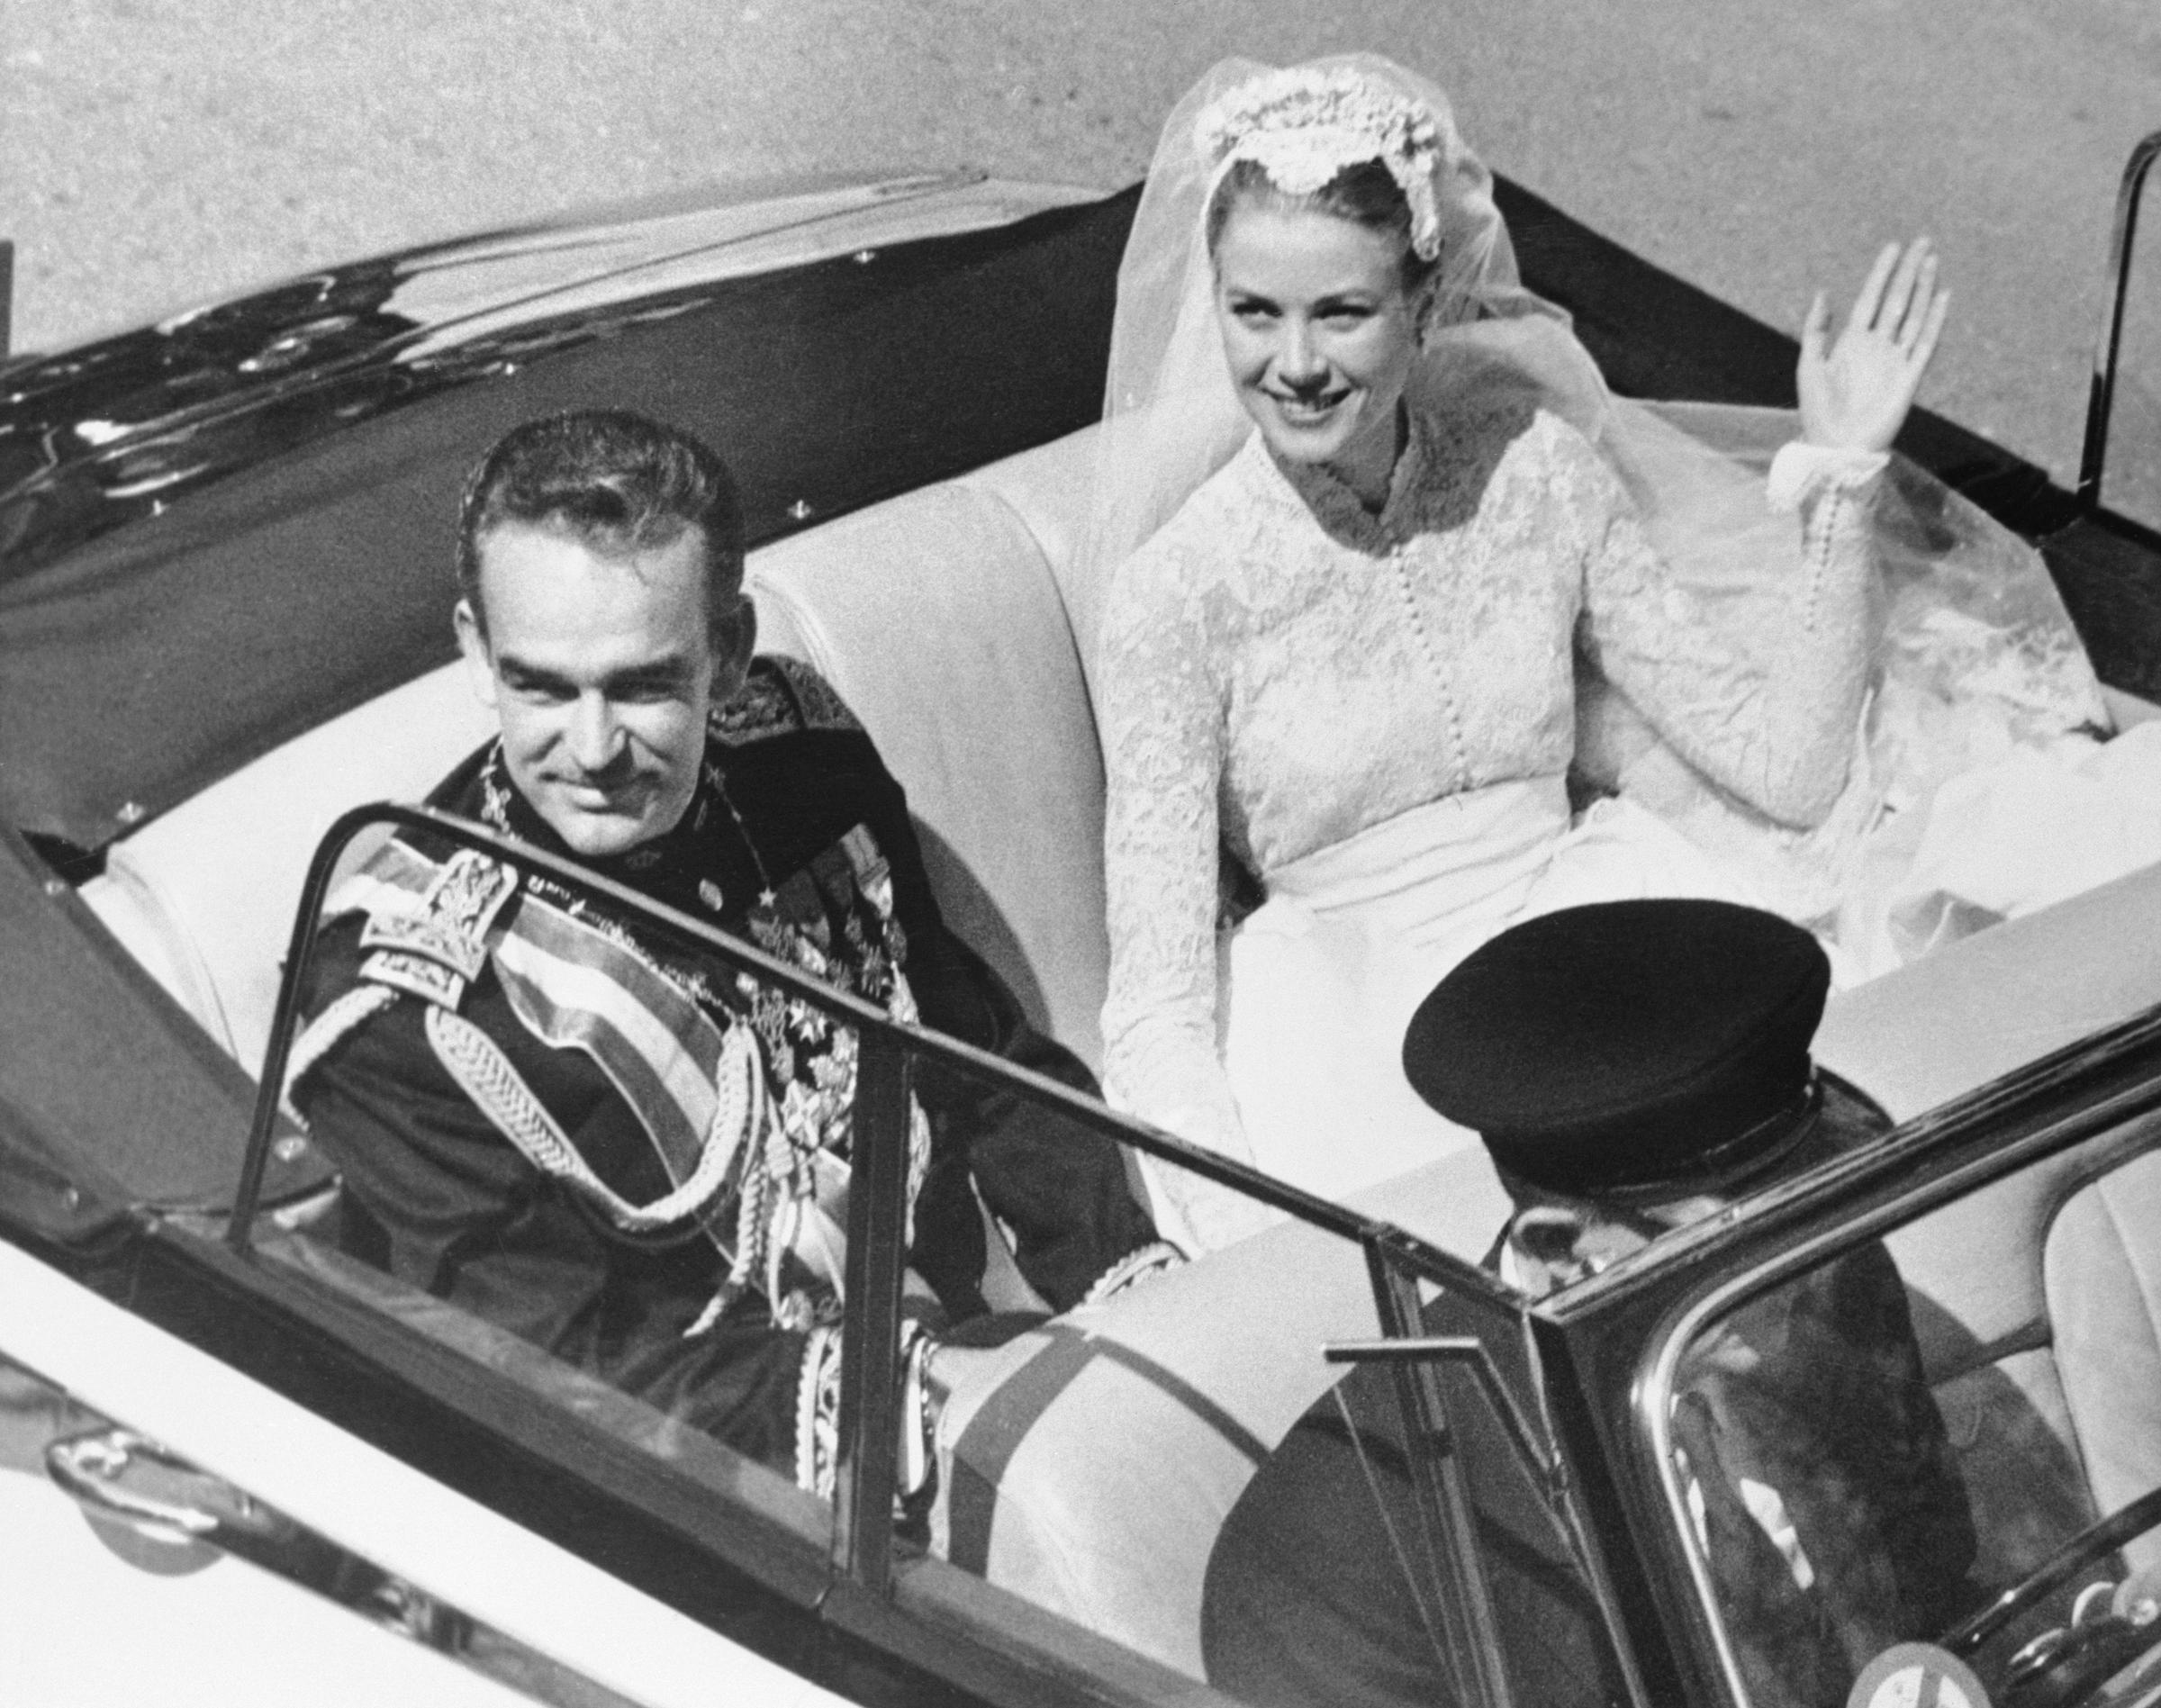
(1312,1465)
(1946,1434)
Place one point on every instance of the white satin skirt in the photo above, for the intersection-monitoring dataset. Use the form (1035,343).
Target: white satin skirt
(1318,984)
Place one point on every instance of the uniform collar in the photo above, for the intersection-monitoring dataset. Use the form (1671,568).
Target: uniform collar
(677,867)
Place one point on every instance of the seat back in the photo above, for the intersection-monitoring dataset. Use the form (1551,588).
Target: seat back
(204,897)
(2021,1297)
(2102,1272)
(939,618)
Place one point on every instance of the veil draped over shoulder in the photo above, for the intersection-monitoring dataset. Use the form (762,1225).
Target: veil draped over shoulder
(1975,657)
(1170,416)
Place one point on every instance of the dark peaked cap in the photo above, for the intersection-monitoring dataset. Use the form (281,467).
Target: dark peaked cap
(1628,1047)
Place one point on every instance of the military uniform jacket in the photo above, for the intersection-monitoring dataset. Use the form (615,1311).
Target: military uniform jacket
(797,839)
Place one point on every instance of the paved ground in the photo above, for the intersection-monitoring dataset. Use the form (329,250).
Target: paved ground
(153,152)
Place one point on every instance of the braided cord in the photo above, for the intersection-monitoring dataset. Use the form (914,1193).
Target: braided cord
(817,1414)
(1143,1263)
(485,1075)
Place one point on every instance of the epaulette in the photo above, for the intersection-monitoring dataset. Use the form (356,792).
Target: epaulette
(426,930)
(779,695)
(435,950)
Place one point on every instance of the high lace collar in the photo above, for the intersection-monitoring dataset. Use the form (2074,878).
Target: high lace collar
(1338,508)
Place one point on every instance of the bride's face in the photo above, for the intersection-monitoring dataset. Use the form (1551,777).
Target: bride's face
(1320,333)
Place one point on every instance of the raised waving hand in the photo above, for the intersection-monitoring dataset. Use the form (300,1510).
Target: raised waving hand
(1856,388)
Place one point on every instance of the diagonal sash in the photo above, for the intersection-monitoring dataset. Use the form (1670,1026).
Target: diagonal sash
(575,987)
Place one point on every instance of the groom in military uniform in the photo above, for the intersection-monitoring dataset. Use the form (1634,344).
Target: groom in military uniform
(548,1111)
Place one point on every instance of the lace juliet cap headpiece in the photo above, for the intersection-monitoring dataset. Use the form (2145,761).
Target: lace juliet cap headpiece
(1302,126)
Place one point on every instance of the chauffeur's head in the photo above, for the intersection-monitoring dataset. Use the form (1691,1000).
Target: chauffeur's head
(1632,1066)
(600,608)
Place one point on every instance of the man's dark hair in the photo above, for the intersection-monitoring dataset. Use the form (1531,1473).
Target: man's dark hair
(617,482)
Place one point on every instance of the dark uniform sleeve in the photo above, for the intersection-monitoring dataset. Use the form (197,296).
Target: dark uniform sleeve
(1060,1188)
(1891,1432)
(438,1199)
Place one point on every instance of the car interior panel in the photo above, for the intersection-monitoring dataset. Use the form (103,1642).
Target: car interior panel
(2008,1284)
(95,1142)
(976,698)
(777,1500)
(2102,1268)
(1974,1009)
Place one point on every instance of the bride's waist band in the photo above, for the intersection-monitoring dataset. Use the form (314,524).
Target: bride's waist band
(1459,836)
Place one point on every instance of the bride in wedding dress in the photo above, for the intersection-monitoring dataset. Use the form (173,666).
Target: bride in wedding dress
(1373,513)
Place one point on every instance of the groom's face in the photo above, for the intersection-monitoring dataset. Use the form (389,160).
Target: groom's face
(602,666)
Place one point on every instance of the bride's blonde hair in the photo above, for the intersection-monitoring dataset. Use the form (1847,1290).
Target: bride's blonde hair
(1364,193)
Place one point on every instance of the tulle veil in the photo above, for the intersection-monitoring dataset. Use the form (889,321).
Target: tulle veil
(1975,655)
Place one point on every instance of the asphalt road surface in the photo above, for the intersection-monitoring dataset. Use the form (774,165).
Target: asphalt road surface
(157,152)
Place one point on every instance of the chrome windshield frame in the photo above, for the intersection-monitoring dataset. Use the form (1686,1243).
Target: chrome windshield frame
(2108,345)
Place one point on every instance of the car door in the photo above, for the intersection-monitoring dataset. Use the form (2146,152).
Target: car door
(1894,1426)
(108,1604)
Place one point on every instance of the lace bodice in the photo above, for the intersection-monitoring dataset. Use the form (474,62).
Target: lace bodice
(1283,669)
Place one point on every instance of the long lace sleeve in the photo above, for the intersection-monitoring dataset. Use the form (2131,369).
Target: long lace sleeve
(1163,719)
(1777,731)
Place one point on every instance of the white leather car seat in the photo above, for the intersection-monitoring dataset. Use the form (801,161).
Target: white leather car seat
(939,618)
(2103,1265)
(204,897)
(2035,1305)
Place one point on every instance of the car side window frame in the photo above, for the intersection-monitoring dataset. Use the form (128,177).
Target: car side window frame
(2109,348)
(1406,1272)
(1922,1166)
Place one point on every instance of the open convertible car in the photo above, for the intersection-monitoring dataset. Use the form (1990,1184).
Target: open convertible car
(223,634)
